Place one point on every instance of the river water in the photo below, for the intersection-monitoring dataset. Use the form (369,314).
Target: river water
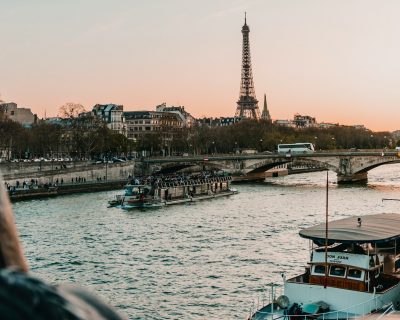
(207,260)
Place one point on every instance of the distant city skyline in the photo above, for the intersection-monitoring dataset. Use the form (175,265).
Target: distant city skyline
(336,60)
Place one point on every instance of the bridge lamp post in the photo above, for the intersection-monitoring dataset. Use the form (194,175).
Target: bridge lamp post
(372,141)
(315,142)
(390,143)
(213,144)
(235,147)
(333,142)
(261,141)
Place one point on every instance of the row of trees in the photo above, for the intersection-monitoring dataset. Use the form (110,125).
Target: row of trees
(83,135)
(265,136)
(77,135)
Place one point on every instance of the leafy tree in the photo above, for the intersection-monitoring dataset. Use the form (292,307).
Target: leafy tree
(13,138)
(45,139)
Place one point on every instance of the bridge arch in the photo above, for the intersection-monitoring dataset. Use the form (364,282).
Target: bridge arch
(267,166)
(366,169)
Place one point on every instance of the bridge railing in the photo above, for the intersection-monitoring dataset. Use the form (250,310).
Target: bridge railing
(220,157)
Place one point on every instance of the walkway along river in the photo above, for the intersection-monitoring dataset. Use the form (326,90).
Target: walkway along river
(209,260)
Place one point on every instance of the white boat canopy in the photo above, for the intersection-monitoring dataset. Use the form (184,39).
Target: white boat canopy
(376,228)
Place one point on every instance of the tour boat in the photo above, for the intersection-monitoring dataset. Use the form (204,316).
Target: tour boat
(353,272)
(161,193)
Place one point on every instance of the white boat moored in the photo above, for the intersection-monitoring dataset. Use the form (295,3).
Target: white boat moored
(356,275)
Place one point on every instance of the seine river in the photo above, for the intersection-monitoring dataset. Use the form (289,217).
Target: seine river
(208,260)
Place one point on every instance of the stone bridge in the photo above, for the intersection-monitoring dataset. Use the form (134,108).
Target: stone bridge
(349,166)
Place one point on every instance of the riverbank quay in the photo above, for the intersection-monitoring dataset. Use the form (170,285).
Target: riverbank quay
(63,173)
(65,189)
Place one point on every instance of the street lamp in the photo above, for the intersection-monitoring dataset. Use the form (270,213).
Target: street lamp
(261,141)
(333,142)
(106,170)
(213,143)
(235,147)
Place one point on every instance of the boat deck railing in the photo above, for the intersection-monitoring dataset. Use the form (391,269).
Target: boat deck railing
(191,182)
(352,312)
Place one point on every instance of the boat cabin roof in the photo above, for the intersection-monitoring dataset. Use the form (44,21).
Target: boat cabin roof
(376,228)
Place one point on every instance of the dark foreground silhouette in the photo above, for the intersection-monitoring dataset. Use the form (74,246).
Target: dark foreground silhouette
(23,296)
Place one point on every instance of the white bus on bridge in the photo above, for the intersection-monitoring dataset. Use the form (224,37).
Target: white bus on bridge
(301,147)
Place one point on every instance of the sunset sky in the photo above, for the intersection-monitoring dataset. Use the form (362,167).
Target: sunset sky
(336,60)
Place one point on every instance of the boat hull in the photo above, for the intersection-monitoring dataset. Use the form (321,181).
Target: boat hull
(343,304)
(353,302)
(161,202)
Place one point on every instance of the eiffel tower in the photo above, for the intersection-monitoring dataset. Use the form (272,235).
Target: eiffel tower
(247,105)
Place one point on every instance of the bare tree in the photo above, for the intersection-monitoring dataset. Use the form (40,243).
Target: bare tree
(86,130)
(71,110)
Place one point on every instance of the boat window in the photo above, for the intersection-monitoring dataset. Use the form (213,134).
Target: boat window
(319,269)
(337,271)
(353,273)
(397,264)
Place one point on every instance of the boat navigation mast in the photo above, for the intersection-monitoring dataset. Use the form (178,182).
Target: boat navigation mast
(326,232)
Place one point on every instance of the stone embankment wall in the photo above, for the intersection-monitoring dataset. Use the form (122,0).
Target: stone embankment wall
(47,172)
